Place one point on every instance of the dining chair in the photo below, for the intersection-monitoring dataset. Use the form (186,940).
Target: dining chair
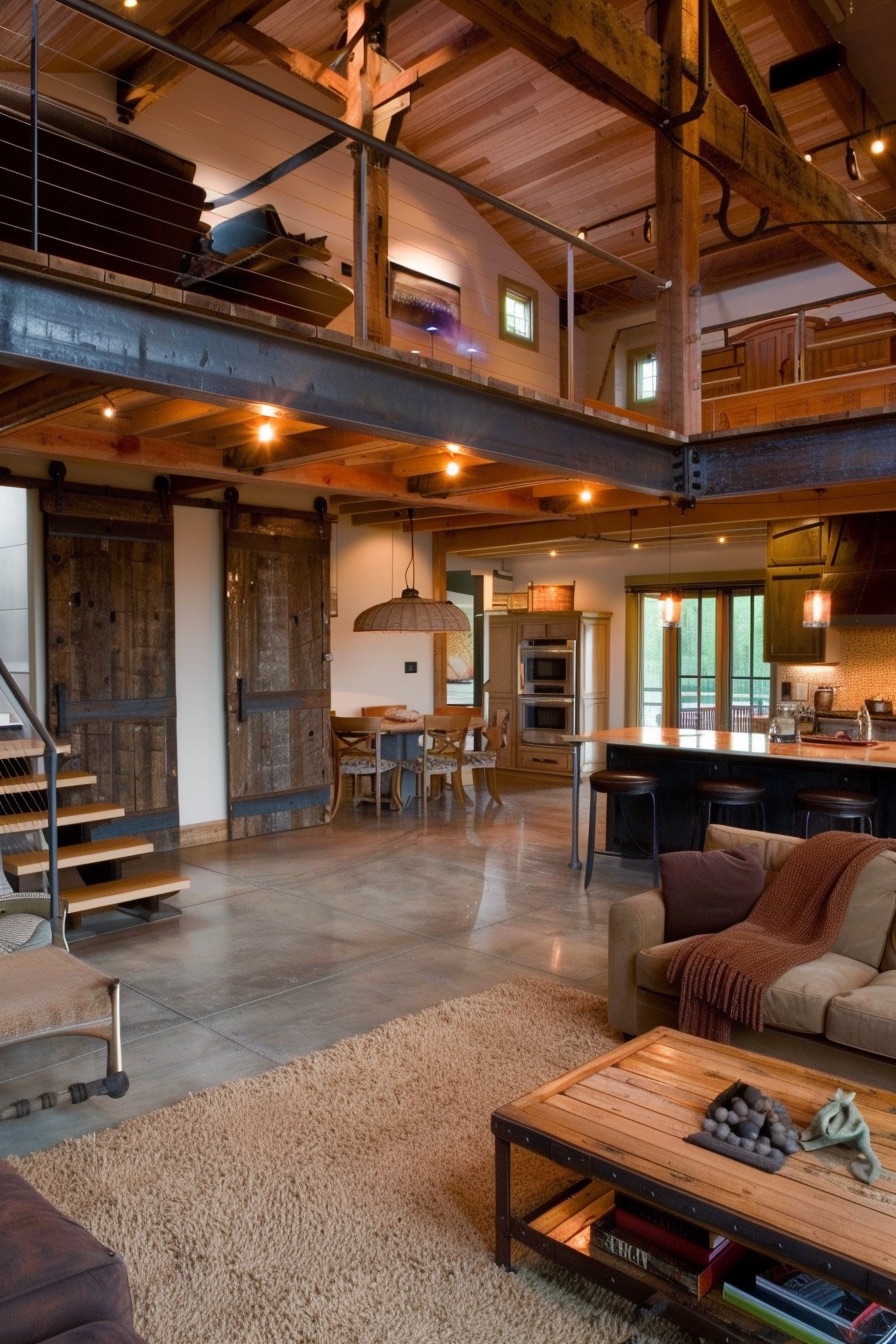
(356,754)
(486,758)
(379,710)
(444,739)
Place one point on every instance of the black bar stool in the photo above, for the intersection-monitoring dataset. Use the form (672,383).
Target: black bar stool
(623,784)
(725,794)
(836,804)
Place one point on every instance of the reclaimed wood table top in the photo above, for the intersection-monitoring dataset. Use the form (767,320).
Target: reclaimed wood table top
(624,1117)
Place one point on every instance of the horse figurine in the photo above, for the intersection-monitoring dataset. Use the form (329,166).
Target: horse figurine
(840,1121)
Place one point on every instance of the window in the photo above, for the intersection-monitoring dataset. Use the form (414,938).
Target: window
(642,379)
(518,313)
(721,679)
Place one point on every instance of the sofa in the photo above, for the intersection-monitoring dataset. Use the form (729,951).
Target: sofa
(58,1284)
(836,1013)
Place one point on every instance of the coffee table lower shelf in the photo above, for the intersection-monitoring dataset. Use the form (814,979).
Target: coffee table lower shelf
(560,1231)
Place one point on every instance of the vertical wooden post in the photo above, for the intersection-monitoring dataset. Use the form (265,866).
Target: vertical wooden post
(371,184)
(440,642)
(677,228)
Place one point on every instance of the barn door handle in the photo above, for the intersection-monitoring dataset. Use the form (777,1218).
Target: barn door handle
(61,707)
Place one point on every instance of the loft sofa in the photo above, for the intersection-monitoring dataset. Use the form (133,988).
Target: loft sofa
(836,1013)
(58,1284)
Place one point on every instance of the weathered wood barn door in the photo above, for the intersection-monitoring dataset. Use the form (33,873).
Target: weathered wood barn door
(110,650)
(278,670)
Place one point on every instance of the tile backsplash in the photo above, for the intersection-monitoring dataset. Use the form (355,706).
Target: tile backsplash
(867,667)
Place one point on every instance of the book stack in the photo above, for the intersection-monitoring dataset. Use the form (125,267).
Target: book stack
(809,1309)
(670,1247)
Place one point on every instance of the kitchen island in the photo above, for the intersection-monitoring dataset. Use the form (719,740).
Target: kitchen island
(681,757)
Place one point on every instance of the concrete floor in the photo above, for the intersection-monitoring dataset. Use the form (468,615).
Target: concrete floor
(291,942)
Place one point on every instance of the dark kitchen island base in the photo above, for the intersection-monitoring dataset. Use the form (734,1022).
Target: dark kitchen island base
(680,758)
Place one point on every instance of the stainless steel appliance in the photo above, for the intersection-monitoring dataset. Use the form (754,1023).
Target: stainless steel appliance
(547,667)
(544,718)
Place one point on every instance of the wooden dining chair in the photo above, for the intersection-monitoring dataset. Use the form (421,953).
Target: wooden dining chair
(356,754)
(486,758)
(379,710)
(444,740)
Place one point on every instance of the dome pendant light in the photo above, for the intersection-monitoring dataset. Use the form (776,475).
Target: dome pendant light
(411,613)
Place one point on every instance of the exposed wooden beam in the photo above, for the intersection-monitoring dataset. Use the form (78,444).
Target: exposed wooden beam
(737,73)
(45,397)
(594,48)
(317,445)
(297,63)
(146,81)
(443,66)
(805,31)
(489,476)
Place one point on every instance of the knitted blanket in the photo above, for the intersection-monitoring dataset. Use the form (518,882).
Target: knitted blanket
(797,918)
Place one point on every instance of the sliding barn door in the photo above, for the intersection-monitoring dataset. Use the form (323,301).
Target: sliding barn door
(278,670)
(110,651)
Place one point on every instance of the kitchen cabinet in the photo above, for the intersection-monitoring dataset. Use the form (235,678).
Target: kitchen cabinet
(591,631)
(795,554)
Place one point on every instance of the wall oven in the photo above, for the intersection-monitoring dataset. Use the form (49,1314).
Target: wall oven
(548,667)
(544,718)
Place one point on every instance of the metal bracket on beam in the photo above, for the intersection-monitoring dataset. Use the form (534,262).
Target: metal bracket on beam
(687,472)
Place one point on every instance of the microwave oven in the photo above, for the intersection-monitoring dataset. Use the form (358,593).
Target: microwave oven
(547,667)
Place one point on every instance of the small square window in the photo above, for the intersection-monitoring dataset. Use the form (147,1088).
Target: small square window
(518,313)
(642,371)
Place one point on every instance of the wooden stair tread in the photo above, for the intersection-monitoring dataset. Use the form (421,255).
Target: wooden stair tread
(15,748)
(137,888)
(74,856)
(66,779)
(83,814)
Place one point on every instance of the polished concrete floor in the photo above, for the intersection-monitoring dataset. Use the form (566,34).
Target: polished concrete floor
(291,942)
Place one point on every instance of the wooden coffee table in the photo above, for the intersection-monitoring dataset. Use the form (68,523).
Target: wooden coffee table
(621,1120)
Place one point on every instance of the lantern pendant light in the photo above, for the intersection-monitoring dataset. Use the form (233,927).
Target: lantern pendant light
(670,599)
(816,609)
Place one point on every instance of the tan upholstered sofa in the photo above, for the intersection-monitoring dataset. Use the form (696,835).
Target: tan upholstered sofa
(837,1013)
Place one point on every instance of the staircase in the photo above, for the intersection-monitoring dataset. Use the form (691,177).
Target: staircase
(25,815)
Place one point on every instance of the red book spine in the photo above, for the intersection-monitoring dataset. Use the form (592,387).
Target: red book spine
(666,1237)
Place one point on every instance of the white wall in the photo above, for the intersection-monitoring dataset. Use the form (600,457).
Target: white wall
(368,566)
(199,648)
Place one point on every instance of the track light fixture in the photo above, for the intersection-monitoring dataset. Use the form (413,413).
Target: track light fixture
(647,229)
(852,163)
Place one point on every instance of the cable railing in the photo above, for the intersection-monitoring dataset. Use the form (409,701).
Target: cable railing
(32,798)
(80,187)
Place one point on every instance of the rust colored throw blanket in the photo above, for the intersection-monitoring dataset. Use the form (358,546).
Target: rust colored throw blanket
(796,919)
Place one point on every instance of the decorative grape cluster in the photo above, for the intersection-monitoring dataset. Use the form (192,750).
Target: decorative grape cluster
(754,1123)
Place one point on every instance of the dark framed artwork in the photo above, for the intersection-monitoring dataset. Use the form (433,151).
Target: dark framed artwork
(422,301)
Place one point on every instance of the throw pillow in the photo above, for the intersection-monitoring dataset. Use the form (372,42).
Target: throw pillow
(708,892)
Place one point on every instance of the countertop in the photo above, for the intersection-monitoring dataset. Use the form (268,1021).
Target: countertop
(741,744)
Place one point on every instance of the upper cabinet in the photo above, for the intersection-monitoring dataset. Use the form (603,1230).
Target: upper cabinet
(795,557)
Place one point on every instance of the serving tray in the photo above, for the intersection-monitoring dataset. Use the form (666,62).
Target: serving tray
(823,740)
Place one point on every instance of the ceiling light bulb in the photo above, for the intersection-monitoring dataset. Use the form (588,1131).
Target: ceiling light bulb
(130,4)
(722,540)
(552,553)
(265,432)
(267,411)
(808,158)
(108,411)
(452,468)
(636,545)
(586,495)
(878,145)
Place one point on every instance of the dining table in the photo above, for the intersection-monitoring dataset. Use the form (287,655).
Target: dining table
(401,741)
(681,756)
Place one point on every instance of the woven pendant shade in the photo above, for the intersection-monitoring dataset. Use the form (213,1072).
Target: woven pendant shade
(410,613)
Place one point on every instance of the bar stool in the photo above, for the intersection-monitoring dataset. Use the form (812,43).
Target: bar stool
(725,794)
(836,804)
(623,784)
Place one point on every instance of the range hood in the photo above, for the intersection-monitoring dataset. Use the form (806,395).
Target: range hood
(860,569)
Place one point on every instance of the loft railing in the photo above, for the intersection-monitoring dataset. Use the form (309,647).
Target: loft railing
(51,769)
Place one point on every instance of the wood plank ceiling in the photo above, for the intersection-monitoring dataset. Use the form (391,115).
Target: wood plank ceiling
(519,99)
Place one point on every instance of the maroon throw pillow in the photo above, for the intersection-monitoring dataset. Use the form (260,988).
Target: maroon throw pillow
(705,893)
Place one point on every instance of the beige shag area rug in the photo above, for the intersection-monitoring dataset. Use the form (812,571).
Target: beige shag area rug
(347,1198)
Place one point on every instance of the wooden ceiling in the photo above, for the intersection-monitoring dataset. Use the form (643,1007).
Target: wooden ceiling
(515,99)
